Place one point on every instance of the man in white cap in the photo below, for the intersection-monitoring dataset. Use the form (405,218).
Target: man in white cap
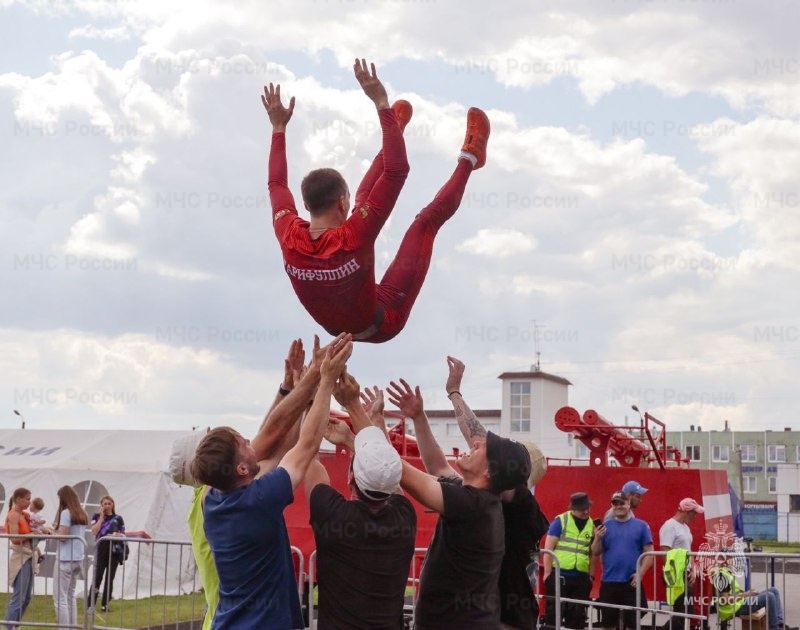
(675,534)
(365,544)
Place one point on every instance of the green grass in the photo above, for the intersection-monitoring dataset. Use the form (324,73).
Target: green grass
(140,613)
(773,546)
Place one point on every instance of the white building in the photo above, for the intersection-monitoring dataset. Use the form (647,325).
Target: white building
(529,403)
(788,487)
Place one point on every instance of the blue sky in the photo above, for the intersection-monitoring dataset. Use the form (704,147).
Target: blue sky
(639,202)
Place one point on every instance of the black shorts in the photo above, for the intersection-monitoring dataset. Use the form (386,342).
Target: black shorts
(622,594)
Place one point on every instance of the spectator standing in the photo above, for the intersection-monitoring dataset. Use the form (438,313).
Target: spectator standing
(675,534)
(20,561)
(634,491)
(621,541)
(570,538)
(105,523)
(71,520)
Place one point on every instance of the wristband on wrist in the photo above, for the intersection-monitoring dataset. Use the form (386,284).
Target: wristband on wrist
(455,391)
(283,391)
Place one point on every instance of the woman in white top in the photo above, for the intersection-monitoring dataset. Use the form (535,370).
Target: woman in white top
(71,519)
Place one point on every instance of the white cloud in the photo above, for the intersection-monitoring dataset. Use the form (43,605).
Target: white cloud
(655,269)
(88,31)
(498,243)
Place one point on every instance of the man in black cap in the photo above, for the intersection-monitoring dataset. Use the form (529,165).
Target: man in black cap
(459,581)
(570,539)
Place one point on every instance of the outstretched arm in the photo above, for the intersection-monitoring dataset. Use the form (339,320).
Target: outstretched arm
(373,402)
(410,404)
(423,487)
(276,430)
(346,393)
(296,461)
(279,115)
(468,422)
(281,199)
(315,475)
(366,221)
(279,430)
(370,83)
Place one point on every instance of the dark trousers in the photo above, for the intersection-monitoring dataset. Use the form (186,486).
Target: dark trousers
(679,606)
(104,564)
(574,587)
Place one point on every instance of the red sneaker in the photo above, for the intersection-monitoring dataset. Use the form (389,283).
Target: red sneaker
(477,135)
(402,111)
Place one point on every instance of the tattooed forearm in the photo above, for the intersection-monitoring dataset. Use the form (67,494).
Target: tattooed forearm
(467,420)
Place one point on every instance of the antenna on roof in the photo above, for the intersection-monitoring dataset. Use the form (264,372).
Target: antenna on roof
(536,367)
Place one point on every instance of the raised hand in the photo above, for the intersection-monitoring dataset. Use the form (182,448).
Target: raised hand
(336,356)
(407,401)
(373,401)
(294,365)
(318,352)
(338,433)
(346,389)
(279,115)
(456,372)
(370,83)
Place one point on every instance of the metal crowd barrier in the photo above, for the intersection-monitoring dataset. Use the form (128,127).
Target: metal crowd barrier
(156,570)
(753,571)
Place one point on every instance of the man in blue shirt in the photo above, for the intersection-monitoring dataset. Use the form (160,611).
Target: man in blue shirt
(243,515)
(621,540)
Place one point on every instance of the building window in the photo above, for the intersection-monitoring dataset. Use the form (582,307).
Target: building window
(749,484)
(693,452)
(520,407)
(749,453)
(794,502)
(776,453)
(720,453)
(453,430)
(797,453)
(581,451)
(772,485)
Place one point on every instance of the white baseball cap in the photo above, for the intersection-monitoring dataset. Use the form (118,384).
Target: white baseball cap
(377,466)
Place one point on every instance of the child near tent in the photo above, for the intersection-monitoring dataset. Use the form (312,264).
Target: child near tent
(38,522)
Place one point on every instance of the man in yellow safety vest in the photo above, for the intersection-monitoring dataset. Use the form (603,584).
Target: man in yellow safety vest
(569,538)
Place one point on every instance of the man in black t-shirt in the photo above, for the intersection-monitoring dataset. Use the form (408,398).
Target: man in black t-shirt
(364,545)
(459,581)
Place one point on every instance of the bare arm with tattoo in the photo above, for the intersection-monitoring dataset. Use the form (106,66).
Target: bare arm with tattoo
(409,402)
(468,422)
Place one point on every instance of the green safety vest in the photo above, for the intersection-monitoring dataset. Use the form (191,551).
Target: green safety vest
(573,546)
(675,573)
(725,609)
(203,557)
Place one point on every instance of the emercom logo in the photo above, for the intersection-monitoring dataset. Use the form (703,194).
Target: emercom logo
(721,549)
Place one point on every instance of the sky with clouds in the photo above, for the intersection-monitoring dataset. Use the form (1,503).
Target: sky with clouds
(636,222)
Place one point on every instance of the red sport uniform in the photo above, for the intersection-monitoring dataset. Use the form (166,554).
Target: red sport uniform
(333,274)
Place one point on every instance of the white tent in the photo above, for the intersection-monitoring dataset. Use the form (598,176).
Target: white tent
(130,466)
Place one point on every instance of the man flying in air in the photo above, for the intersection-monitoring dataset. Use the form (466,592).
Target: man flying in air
(330,259)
